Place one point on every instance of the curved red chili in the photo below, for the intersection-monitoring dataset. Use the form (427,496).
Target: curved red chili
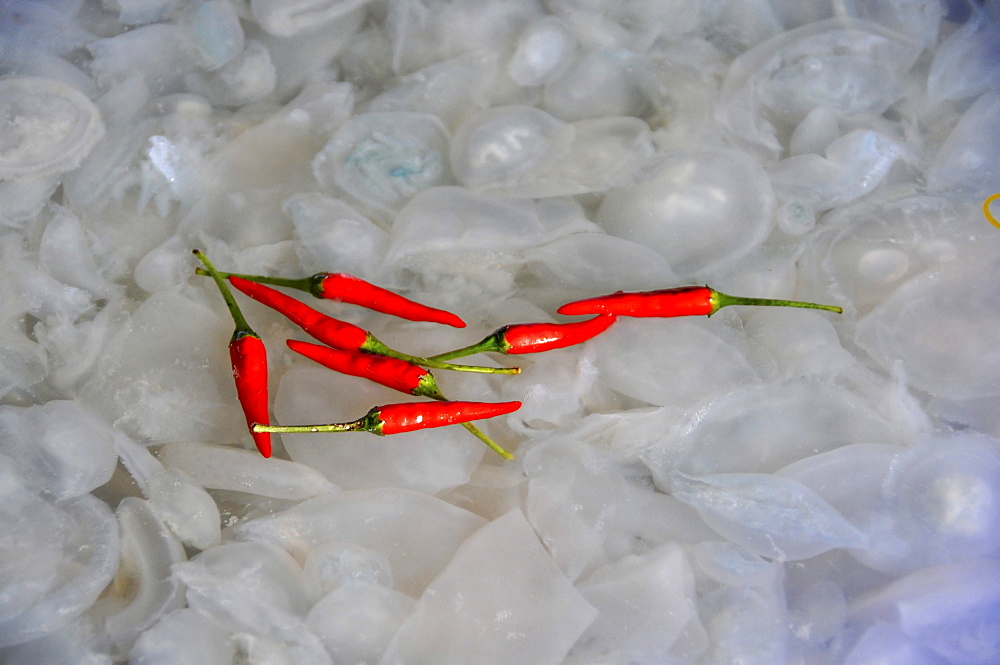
(534,337)
(410,417)
(340,334)
(342,287)
(682,301)
(249,360)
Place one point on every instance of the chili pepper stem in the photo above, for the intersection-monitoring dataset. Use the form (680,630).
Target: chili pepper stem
(307,284)
(241,323)
(489,345)
(374,346)
(366,423)
(720,300)
(492,445)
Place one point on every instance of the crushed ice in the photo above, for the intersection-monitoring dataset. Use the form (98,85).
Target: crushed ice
(768,486)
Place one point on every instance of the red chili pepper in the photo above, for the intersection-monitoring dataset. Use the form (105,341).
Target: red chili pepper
(249,359)
(683,301)
(390,372)
(343,287)
(341,334)
(399,418)
(533,337)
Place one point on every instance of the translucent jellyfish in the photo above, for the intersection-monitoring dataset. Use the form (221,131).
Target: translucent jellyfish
(967,62)
(966,162)
(865,251)
(762,427)
(942,327)
(855,164)
(544,51)
(849,66)
(701,210)
(46,127)
(286,19)
(61,449)
(57,560)
(215,31)
(505,146)
(383,159)
(149,549)
(768,515)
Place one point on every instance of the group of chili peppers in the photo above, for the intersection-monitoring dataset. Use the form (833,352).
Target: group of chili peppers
(352,350)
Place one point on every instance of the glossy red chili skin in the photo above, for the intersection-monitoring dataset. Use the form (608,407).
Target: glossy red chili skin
(537,337)
(683,301)
(390,372)
(350,289)
(399,418)
(325,328)
(249,360)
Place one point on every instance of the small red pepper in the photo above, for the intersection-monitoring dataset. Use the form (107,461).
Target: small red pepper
(533,337)
(390,372)
(249,360)
(340,334)
(410,417)
(683,301)
(343,287)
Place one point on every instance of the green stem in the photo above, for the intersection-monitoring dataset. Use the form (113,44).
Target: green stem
(488,345)
(479,434)
(366,423)
(302,283)
(475,431)
(721,300)
(375,346)
(227,295)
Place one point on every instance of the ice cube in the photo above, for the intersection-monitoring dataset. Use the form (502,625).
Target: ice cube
(671,362)
(228,468)
(747,626)
(645,604)
(184,637)
(331,234)
(356,623)
(253,586)
(333,566)
(416,533)
(502,598)
(768,515)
